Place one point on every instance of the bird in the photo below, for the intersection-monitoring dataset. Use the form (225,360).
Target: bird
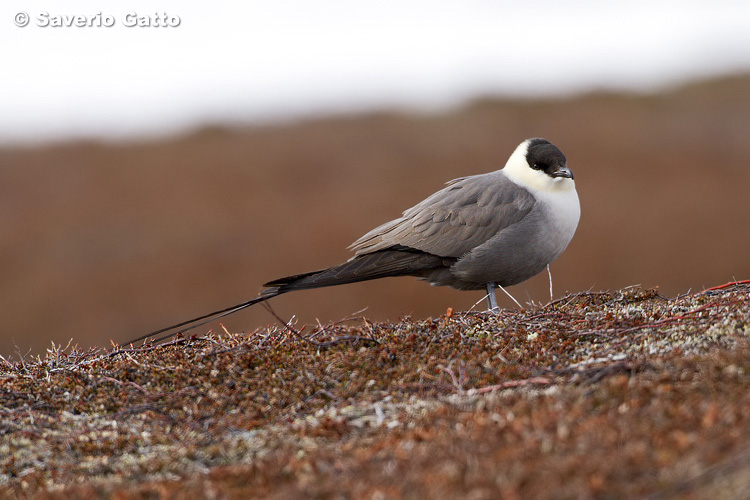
(479,232)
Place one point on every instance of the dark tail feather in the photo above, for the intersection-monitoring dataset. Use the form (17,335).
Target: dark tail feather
(382,264)
(206,318)
(396,261)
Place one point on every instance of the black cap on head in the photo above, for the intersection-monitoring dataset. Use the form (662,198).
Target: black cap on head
(543,155)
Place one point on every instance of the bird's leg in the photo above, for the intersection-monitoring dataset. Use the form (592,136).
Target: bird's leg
(550,283)
(512,297)
(491,299)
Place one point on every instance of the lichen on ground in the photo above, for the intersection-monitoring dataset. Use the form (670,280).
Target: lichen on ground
(595,395)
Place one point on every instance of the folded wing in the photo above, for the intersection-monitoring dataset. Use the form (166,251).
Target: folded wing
(455,220)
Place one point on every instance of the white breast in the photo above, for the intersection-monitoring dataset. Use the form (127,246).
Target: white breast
(563,213)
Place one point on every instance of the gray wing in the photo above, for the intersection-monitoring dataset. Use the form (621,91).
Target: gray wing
(456,219)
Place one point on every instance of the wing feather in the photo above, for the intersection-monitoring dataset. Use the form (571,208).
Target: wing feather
(455,220)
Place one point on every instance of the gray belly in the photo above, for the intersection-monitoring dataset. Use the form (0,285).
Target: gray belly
(514,255)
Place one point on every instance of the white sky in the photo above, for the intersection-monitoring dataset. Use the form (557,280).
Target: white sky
(251,61)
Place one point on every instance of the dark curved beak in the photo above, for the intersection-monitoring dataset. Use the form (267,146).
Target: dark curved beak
(563,171)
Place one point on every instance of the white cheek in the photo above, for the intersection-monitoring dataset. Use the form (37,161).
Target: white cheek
(536,180)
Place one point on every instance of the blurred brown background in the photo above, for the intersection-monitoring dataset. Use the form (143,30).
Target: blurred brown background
(108,241)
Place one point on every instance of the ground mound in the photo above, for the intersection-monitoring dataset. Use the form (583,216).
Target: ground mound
(595,395)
